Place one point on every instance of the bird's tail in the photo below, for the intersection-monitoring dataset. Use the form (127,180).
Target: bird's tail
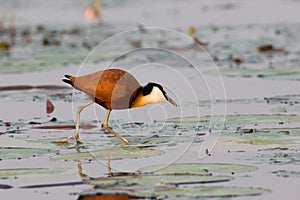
(70,79)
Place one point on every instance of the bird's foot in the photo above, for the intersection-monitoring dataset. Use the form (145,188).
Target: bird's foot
(66,140)
(125,143)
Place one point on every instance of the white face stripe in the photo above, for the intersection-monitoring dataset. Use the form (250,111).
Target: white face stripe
(155,96)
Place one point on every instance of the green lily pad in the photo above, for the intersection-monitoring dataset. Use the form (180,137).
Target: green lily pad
(111,154)
(238,120)
(176,179)
(205,192)
(21,153)
(198,168)
(242,120)
(8,173)
(155,180)
(174,192)
(153,141)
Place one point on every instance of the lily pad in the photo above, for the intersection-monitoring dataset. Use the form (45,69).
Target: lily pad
(20,153)
(174,192)
(176,179)
(234,121)
(205,192)
(242,120)
(112,154)
(198,168)
(8,173)
(159,180)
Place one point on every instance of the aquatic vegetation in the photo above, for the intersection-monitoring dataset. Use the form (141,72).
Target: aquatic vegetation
(20,172)
(199,169)
(110,154)
(250,145)
(163,181)
(21,153)
(207,192)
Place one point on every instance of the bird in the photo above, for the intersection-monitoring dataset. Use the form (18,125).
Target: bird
(114,89)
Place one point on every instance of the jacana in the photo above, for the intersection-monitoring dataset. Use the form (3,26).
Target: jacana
(114,89)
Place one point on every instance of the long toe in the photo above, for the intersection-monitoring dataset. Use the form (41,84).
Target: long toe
(66,140)
(78,141)
(126,143)
(62,141)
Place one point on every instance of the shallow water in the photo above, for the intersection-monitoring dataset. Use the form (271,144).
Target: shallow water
(253,123)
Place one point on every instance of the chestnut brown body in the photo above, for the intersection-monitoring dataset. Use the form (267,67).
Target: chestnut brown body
(110,88)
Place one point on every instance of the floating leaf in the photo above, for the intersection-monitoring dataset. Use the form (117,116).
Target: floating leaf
(112,154)
(176,179)
(174,192)
(235,121)
(198,168)
(153,180)
(20,153)
(205,192)
(8,173)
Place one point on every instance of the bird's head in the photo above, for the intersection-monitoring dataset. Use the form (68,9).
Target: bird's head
(152,93)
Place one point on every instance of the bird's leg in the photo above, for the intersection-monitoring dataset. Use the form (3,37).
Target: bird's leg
(106,127)
(75,134)
(81,174)
(110,173)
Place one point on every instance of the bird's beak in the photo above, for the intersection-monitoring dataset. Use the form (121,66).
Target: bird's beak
(171,101)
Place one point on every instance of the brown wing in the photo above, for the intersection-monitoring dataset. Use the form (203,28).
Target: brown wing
(111,88)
